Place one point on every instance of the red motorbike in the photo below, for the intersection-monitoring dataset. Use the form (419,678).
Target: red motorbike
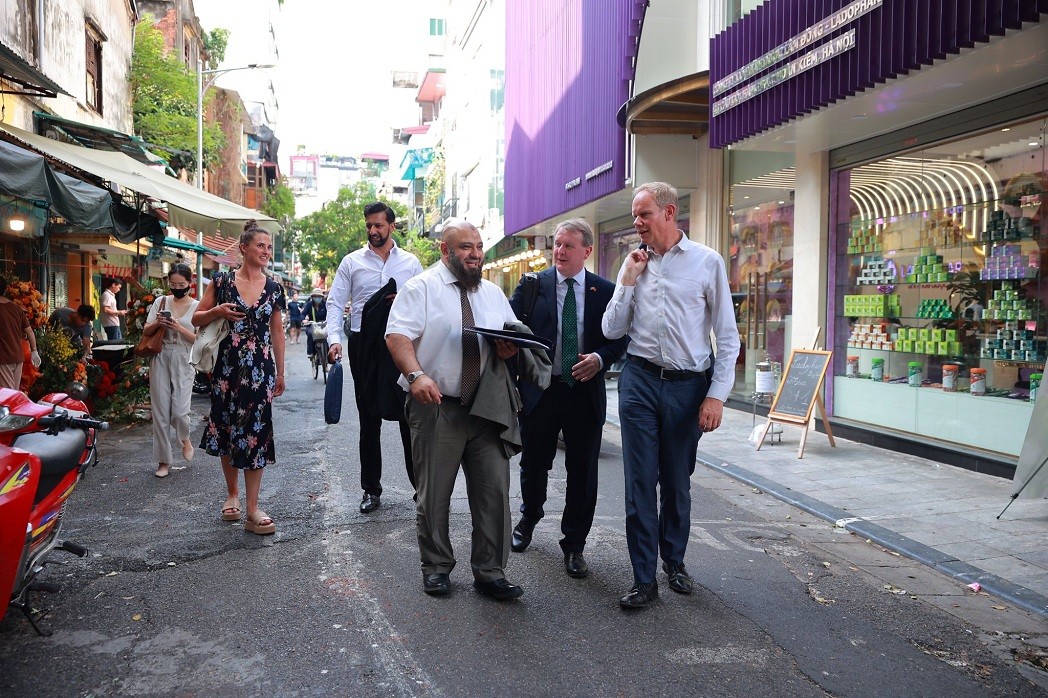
(45,448)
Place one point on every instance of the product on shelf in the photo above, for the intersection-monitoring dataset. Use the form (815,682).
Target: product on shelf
(1008,304)
(978,385)
(869,336)
(941,231)
(1001,226)
(928,268)
(876,273)
(880,305)
(949,377)
(930,340)
(862,241)
(935,309)
(1013,344)
(1006,261)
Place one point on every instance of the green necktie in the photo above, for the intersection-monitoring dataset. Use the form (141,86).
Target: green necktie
(569,334)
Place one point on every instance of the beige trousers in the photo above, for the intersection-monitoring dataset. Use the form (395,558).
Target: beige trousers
(170,393)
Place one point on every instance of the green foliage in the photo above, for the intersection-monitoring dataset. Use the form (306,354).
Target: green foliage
(215,43)
(323,238)
(427,250)
(433,198)
(280,203)
(163,100)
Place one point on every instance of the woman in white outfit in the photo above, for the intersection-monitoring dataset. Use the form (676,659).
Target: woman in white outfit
(170,374)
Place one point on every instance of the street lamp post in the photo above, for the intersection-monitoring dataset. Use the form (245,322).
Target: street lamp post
(201,89)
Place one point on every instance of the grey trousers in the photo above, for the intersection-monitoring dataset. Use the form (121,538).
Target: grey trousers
(442,437)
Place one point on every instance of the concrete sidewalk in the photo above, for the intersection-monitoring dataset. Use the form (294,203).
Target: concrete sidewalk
(940,515)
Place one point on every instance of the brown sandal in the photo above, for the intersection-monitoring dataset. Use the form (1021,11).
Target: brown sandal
(259,523)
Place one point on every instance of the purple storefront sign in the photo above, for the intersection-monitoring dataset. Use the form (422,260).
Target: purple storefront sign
(569,64)
(891,38)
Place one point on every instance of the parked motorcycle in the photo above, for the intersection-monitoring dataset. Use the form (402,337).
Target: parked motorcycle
(45,448)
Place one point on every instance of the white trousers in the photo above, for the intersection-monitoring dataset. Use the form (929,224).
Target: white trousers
(170,392)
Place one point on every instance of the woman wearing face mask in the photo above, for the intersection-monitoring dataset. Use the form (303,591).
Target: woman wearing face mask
(170,374)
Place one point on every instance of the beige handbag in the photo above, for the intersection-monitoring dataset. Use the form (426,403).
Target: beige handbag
(205,349)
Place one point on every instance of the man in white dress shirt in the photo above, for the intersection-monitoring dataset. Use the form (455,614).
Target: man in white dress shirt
(359,276)
(442,367)
(670,294)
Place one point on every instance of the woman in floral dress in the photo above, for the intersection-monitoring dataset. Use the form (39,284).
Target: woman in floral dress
(248,374)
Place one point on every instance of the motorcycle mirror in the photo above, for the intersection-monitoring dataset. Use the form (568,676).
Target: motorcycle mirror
(77,391)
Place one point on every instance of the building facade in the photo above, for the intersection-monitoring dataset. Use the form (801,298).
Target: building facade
(839,155)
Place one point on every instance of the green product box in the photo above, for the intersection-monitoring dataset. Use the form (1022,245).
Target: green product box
(956,348)
(924,334)
(938,335)
(942,348)
(950,335)
(907,345)
(919,346)
(899,344)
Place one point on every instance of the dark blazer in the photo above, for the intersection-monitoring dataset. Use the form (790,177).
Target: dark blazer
(544,321)
(378,373)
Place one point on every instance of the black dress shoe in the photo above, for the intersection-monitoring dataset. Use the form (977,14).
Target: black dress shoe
(522,535)
(499,589)
(680,580)
(575,565)
(436,584)
(369,503)
(640,595)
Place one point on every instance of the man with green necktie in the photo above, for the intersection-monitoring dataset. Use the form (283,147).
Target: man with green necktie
(567,308)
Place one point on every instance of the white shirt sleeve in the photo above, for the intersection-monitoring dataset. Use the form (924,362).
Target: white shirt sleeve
(407,316)
(338,296)
(619,314)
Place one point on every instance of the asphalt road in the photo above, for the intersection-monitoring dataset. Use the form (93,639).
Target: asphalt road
(173,601)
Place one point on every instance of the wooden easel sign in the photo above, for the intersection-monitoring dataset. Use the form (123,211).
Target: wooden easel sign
(799,391)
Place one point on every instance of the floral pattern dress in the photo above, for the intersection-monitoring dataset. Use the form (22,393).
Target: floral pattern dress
(241,421)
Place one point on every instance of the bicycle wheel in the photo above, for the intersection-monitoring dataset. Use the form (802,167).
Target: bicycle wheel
(316,365)
(323,361)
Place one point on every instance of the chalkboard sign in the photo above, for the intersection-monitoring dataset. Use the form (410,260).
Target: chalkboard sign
(800,385)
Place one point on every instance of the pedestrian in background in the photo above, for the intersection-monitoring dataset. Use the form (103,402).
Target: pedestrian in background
(76,324)
(567,308)
(14,326)
(170,373)
(314,312)
(110,314)
(444,367)
(248,374)
(294,312)
(360,274)
(671,293)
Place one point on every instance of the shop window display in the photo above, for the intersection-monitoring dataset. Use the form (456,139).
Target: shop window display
(939,300)
(760,274)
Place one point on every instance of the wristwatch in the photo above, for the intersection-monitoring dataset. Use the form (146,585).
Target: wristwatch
(414,375)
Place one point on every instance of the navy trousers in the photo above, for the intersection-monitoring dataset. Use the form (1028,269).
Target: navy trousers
(660,434)
(567,409)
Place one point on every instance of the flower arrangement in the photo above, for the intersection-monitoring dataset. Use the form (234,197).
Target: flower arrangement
(26,295)
(103,382)
(61,363)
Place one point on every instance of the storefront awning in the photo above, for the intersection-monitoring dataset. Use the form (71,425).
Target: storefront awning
(98,138)
(15,69)
(188,207)
(415,162)
(27,175)
(186,245)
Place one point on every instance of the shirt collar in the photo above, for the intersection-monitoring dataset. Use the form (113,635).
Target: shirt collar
(445,273)
(580,278)
(393,250)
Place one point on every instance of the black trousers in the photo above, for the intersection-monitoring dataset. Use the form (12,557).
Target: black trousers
(567,409)
(370,446)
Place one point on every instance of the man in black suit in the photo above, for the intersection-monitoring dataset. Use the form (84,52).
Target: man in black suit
(567,309)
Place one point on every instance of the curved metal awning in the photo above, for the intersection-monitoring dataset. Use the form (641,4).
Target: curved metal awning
(15,69)
(678,107)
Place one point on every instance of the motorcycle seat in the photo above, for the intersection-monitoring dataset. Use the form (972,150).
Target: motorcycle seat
(59,454)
